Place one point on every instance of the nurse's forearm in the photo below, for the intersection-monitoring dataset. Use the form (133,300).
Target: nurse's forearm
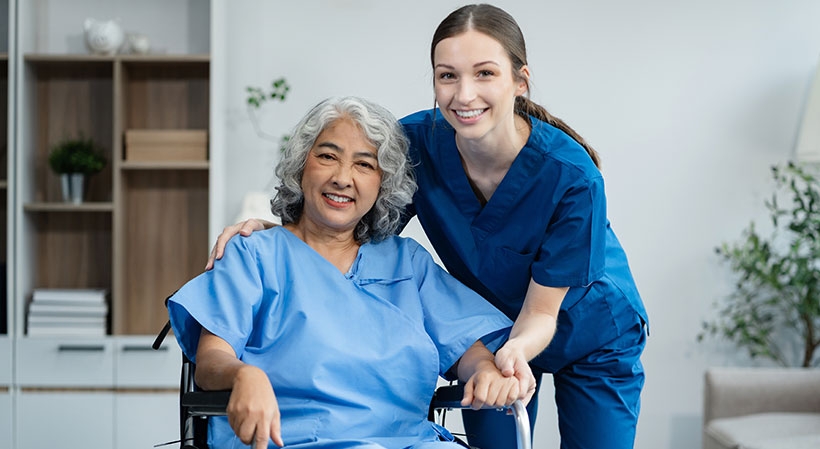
(537,322)
(532,333)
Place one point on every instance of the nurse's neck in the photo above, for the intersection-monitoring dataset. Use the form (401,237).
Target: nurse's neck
(487,159)
(337,247)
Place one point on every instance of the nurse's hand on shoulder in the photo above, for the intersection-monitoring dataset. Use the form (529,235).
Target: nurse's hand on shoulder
(512,362)
(253,412)
(244,228)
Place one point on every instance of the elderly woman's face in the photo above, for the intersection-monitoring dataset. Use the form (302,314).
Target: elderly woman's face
(341,179)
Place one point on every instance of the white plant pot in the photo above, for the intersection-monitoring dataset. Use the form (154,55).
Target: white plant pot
(73,185)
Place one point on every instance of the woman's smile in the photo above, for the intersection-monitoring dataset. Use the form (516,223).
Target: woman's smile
(341,200)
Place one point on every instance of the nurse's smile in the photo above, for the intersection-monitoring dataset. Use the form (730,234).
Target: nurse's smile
(470,116)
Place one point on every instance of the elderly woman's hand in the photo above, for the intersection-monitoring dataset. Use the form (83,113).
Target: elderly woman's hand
(488,388)
(253,412)
(244,228)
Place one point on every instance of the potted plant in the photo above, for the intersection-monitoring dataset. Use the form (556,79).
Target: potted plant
(75,160)
(774,311)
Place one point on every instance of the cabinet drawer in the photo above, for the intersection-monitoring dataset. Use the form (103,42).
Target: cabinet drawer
(65,363)
(5,361)
(5,418)
(139,365)
(81,420)
(144,420)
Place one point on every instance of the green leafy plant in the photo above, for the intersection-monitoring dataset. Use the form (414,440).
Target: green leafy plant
(76,156)
(257,96)
(776,302)
(278,91)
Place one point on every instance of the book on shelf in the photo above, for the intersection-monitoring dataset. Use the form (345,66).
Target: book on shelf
(51,320)
(67,312)
(66,325)
(56,331)
(92,295)
(58,309)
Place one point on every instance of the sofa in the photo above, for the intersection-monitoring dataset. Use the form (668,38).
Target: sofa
(761,408)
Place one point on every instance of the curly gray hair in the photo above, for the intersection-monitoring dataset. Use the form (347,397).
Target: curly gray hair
(383,130)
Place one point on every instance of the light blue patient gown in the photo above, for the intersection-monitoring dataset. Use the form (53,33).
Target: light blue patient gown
(353,358)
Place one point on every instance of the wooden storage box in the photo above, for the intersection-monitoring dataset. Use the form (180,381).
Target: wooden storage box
(166,145)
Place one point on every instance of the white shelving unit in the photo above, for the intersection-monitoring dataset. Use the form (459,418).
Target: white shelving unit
(7,328)
(113,391)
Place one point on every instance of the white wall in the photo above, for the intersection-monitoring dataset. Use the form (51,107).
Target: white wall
(689,103)
(59,24)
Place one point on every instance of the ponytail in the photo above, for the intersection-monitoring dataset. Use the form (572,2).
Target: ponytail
(526,107)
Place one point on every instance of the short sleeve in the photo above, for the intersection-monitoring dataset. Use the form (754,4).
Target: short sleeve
(574,246)
(455,317)
(224,300)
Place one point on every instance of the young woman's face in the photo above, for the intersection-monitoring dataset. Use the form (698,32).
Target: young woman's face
(341,179)
(474,84)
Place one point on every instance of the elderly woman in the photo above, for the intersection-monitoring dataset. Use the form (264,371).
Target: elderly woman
(330,330)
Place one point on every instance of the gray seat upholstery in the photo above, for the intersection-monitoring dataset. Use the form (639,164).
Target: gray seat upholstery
(761,408)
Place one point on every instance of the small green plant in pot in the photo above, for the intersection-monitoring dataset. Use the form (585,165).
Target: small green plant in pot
(75,160)
(774,311)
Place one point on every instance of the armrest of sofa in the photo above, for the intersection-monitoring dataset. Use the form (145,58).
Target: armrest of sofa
(743,391)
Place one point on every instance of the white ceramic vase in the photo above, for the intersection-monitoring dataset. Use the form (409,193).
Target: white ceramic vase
(73,185)
(104,37)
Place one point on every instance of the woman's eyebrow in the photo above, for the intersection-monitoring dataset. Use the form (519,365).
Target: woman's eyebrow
(329,145)
(332,146)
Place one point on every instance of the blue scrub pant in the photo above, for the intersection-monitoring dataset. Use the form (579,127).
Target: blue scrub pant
(597,397)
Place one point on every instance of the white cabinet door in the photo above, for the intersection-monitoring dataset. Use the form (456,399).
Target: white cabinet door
(146,407)
(138,365)
(69,362)
(5,361)
(5,418)
(144,420)
(65,419)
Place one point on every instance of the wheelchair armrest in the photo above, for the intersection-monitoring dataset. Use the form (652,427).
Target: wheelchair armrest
(449,397)
(206,403)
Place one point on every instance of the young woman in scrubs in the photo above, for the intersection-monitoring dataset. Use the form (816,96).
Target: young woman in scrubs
(323,327)
(513,202)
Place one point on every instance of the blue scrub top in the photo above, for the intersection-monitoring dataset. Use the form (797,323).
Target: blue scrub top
(546,221)
(351,356)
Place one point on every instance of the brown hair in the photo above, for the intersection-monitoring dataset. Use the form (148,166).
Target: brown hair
(499,25)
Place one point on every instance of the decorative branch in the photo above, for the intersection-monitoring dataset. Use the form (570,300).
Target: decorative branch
(257,97)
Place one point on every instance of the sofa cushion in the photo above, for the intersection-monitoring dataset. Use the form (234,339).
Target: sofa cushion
(797,442)
(766,430)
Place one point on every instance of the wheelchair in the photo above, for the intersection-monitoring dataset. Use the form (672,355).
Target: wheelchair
(196,406)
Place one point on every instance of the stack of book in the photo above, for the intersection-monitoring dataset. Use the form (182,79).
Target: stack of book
(63,312)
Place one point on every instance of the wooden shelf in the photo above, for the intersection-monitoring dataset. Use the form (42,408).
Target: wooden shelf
(165,165)
(173,59)
(87,57)
(69,207)
(68,58)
